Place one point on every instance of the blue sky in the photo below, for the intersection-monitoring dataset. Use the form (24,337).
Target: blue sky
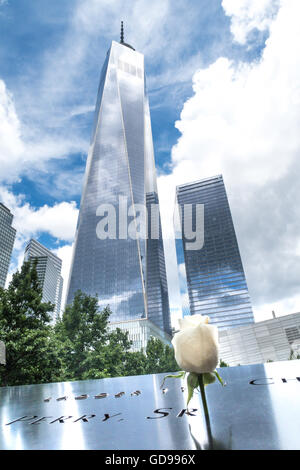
(210,66)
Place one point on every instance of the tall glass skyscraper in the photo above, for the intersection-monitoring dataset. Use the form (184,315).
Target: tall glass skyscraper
(124,268)
(215,278)
(7,239)
(49,273)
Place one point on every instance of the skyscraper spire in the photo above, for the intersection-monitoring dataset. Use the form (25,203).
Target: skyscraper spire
(127,271)
(122,33)
(122,38)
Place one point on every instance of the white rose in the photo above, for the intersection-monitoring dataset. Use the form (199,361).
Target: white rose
(196,345)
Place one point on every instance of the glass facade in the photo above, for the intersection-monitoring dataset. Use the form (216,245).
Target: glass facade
(215,279)
(7,239)
(49,273)
(140,331)
(2,353)
(269,340)
(126,272)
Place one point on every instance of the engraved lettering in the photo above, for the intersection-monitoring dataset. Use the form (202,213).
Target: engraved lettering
(81,397)
(41,419)
(163,413)
(108,416)
(188,412)
(23,418)
(253,382)
(61,419)
(101,395)
(286,380)
(84,418)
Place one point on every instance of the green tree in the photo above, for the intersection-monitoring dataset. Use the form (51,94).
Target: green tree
(160,357)
(223,363)
(135,363)
(293,355)
(79,347)
(88,349)
(109,358)
(79,331)
(31,347)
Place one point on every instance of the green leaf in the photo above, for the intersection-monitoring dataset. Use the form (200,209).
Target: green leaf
(219,379)
(192,383)
(180,375)
(208,378)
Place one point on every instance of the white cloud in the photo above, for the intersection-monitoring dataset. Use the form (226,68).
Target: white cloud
(11,146)
(24,148)
(58,221)
(37,123)
(61,87)
(247,15)
(280,308)
(243,122)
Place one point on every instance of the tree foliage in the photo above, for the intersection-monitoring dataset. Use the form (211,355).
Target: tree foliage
(80,346)
(293,355)
(90,350)
(223,363)
(160,357)
(31,347)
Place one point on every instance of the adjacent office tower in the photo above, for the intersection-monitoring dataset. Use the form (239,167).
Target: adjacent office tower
(126,270)
(215,278)
(49,273)
(7,239)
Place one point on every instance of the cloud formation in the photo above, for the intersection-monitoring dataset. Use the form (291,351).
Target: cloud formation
(11,145)
(243,122)
(249,15)
(55,98)
(59,221)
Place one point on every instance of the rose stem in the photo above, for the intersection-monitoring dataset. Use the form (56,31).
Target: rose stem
(206,414)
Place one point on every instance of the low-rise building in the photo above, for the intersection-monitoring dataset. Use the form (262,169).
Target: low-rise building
(268,340)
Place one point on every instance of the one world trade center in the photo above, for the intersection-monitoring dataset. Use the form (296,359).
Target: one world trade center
(118,252)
